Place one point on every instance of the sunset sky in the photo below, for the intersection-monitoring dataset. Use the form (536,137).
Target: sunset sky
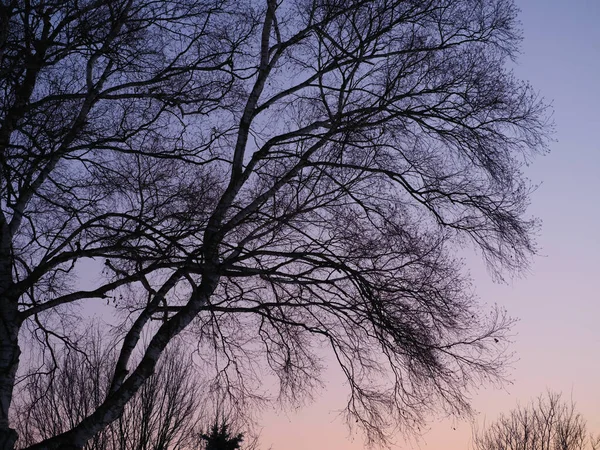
(557,338)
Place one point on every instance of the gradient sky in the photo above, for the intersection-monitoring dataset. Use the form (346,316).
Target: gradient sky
(557,340)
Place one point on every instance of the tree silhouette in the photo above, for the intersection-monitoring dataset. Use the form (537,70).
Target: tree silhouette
(547,423)
(274,179)
(163,415)
(220,437)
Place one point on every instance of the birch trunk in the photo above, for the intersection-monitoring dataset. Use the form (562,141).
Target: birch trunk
(9,362)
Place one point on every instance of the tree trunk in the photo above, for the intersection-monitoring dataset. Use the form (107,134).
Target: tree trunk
(9,362)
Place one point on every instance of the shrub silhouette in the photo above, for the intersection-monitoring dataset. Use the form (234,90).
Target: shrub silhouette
(220,438)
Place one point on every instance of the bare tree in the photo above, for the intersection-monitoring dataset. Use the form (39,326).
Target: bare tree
(273,177)
(165,413)
(547,423)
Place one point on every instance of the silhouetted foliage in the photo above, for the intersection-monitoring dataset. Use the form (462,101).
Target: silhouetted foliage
(547,423)
(219,437)
(273,179)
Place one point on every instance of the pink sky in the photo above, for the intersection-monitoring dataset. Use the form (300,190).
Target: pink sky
(557,340)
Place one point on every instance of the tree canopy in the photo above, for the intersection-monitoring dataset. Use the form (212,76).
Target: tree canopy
(546,423)
(271,178)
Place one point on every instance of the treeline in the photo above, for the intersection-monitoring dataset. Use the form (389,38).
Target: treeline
(548,422)
(171,411)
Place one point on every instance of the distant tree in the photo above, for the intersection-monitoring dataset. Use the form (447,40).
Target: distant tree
(219,437)
(547,423)
(163,415)
(277,178)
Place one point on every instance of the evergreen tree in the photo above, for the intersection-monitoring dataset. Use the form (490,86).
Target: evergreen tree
(220,437)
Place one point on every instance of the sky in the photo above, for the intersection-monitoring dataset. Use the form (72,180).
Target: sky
(557,338)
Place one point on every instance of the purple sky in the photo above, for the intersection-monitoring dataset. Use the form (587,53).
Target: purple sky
(557,340)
